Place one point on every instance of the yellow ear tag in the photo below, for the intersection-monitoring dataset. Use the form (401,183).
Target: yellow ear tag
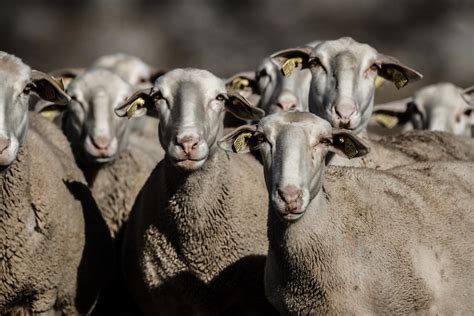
(398,78)
(66,81)
(240,83)
(379,81)
(139,102)
(349,147)
(59,82)
(387,120)
(290,65)
(240,141)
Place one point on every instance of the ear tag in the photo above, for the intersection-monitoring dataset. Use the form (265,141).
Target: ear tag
(379,81)
(290,65)
(240,83)
(59,82)
(398,78)
(387,120)
(349,147)
(66,81)
(139,102)
(240,141)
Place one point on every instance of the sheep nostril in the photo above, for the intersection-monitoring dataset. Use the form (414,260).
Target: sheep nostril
(101,142)
(188,143)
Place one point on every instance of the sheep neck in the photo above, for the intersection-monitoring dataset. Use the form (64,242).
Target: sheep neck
(198,205)
(303,256)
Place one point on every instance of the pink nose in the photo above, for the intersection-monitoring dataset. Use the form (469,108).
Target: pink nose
(188,143)
(101,142)
(345,112)
(4,144)
(287,103)
(291,195)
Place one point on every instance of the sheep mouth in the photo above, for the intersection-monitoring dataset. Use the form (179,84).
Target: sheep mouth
(189,163)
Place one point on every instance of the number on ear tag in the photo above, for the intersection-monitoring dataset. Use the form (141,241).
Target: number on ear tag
(290,65)
(241,141)
(398,78)
(350,149)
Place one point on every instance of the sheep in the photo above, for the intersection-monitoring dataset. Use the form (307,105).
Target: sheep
(438,107)
(343,78)
(55,251)
(360,241)
(103,146)
(192,244)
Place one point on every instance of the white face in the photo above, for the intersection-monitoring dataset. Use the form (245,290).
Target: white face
(343,83)
(279,93)
(190,105)
(97,135)
(14,97)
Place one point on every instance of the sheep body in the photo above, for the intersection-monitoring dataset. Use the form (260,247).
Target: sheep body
(196,243)
(55,248)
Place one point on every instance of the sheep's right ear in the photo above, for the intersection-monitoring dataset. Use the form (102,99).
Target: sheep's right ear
(240,140)
(241,108)
(398,113)
(48,88)
(292,58)
(245,84)
(138,104)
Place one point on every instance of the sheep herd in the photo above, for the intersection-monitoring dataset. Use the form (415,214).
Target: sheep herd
(129,190)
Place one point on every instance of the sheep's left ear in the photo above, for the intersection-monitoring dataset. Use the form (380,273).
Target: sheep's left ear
(246,85)
(48,88)
(393,70)
(347,145)
(138,104)
(241,108)
(240,140)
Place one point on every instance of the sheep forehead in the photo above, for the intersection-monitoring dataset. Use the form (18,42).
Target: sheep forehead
(345,46)
(13,72)
(98,80)
(275,124)
(192,81)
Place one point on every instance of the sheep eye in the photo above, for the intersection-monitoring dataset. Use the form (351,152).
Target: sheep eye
(374,67)
(27,89)
(221,97)
(315,63)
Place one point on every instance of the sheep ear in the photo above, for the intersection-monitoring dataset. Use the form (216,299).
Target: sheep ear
(245,84)
(48,88)
(240,140)
(399,112)
(292,58)
(468,95)
(346,144)
(241,108)
(138,104)
(67,75)
(393,70)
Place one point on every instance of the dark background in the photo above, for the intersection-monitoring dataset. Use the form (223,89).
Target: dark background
(434,37)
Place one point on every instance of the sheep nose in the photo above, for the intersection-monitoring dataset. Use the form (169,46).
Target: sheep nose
(101,142)
(4,144)
(345,112)
(287,103)
(291,195)
(188,143)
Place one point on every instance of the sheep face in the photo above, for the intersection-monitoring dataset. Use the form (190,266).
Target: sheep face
(343,78)
(17,83)
(293,147)
(279,93)
(96,134)
(190,104)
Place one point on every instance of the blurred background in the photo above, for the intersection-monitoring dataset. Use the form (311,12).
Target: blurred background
(436,37)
